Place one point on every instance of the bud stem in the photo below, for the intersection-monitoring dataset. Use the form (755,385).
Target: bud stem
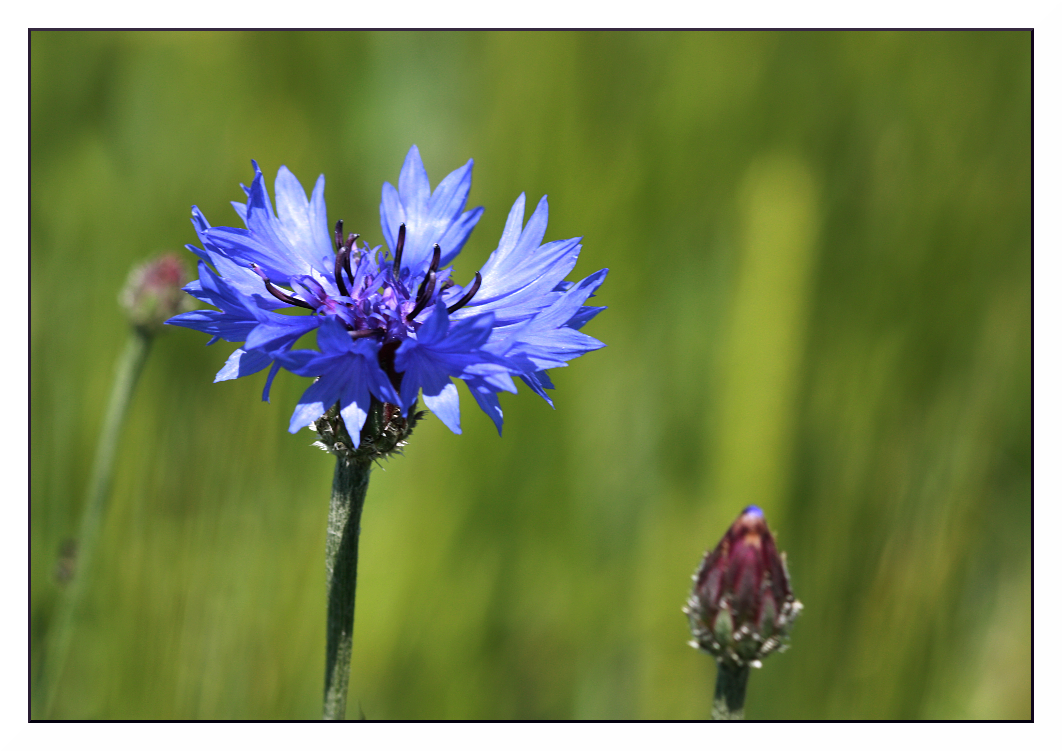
(349,485)
(61,631)
(730,683)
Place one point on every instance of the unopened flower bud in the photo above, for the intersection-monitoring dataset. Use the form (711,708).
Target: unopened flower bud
(153,293)
(741,606)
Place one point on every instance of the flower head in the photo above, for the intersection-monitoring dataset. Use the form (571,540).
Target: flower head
(390,325)
(152,292)
(741,606)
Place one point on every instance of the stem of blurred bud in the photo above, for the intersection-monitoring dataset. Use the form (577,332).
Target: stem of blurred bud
(152,293)
(730,683)
(60,634)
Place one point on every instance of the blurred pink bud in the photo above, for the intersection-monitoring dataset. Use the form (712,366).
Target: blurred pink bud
(153,293)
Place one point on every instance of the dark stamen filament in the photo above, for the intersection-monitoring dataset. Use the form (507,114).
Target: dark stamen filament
(342,259)
(282,296)
(339,234)
(398,248)
(467,297)
(364,333)
(346,264)
(427,289)
(343,251)
(436,254)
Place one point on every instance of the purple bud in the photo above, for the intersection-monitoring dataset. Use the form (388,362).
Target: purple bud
(741,606)
(153,293)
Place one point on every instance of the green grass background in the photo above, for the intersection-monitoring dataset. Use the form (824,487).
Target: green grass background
(819,302)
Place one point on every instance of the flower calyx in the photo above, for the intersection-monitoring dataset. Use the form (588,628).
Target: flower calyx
(386,431)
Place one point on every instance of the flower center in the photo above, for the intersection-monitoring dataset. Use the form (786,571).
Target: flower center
(373,299)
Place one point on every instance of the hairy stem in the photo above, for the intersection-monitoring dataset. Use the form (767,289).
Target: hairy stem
(349,485)
(57,649)
(730,684)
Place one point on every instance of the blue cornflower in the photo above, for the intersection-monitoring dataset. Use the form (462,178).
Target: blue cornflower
(389,325)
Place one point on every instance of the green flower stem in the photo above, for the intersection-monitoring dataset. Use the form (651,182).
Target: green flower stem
(730,684)
(349,485)
(125,379)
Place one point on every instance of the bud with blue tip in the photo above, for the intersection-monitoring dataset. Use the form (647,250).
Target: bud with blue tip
(742,606)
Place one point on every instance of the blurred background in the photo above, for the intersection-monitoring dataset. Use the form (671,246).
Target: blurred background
(819,302)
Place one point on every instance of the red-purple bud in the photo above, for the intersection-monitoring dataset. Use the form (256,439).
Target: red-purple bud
(153,293)
(741,606)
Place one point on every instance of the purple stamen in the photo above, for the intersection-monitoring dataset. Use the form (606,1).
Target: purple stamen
(467,297)
(398,248)
(342,259)
(365,332)
(436,255)
(339,234)
(282,296)
(427,289)
(346,265)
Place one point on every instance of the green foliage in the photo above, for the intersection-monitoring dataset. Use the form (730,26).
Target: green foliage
(819,301)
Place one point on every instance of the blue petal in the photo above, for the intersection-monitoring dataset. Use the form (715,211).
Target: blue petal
(303,226)
(242,363)
(420,370)
(315,401)
(237,275)
(269,381)
(522,278)
(439,352)
(533,274)
(456,237)
(295,242)
(350,378)
(435,327)
(391,215)
(534,381)
(487,400)
(413,186)
(446,406)
(319,221)
(534,230)
(515,243)
(554,349)
(513,226)
(263,224)
(543,378)
(280,330)
(355,403)
(360,383)
(570,302)
(333,338)
(583,316)
(565,306)
(450,196)
(305,362)
(228,327)
(430,218)
(245,247)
